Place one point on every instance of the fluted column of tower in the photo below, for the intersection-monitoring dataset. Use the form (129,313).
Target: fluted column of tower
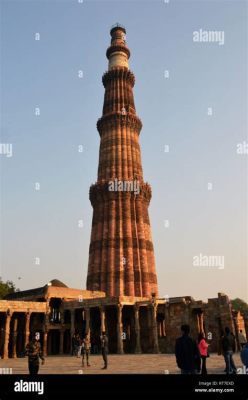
(121,256)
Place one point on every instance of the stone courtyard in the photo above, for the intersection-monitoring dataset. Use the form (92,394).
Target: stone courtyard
(118,364)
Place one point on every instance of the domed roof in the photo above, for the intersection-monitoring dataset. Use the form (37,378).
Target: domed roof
(57,283)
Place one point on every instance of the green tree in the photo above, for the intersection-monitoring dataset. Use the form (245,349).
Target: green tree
(240,305)
(6,288)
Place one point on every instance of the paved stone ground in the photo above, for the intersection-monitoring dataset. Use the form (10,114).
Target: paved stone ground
(118,364)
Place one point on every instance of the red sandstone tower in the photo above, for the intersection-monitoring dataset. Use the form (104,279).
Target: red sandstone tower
(121,256)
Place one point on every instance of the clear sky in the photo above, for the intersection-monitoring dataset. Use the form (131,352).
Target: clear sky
(187,218)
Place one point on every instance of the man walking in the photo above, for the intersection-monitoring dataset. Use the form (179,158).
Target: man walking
(104,346)
(187,353)
(228,346)
(34,353)
(86,349)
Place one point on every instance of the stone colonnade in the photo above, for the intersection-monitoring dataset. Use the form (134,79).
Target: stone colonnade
(16,326)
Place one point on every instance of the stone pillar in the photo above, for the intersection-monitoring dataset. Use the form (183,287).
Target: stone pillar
(154,328)
(6,336)
(45,343)
(87,317)
(27,327)
(61,342)
(167,317)
(119,330)
(137,329)
(72,322)
(236,330)
(15,326)
(163,328)
(198,323)
(62,330)
(72,327)
(102,312)
(206,316)
(61,310)
(201,326)
(45,331)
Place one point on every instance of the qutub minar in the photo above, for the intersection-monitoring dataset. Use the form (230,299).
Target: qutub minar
(122,293)
(121,260)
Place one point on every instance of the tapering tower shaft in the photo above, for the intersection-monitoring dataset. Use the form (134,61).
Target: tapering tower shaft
(121,255)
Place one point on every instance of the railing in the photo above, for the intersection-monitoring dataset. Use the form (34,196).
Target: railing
(117,25)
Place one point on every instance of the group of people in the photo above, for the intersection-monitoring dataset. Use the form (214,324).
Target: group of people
(77,344)
(83,347)
(191,355)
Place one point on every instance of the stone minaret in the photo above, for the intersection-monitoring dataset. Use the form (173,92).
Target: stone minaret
(121,256)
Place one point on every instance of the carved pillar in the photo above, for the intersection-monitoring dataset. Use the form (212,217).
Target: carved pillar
(45,342)
(201,326)
(137,329)
(87,317)
(62,330)
(102,312)
(167,317)
(163,328)
(6,336)
(206,322)
(236,330)
(72,322)
(45,331)
(154,328)
(72,326)
(61,311)
(27,327)
(15,326)
(119,330)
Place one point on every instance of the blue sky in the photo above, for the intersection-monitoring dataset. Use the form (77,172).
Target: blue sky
(202,149)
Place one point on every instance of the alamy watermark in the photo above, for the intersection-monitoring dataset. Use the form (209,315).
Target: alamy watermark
(209,261)
(124,186)
(243,370)
(23,386)
(6,149)
(242,148)
(209,36)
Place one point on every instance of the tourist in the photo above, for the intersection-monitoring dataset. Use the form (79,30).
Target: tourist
(242,339)
(244,357)
(228,346)
(79,346)
(203,349)
(86,349)
(104,347)
(34,353)
(187,353)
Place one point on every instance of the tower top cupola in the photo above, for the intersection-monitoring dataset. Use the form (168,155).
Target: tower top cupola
(118,53)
